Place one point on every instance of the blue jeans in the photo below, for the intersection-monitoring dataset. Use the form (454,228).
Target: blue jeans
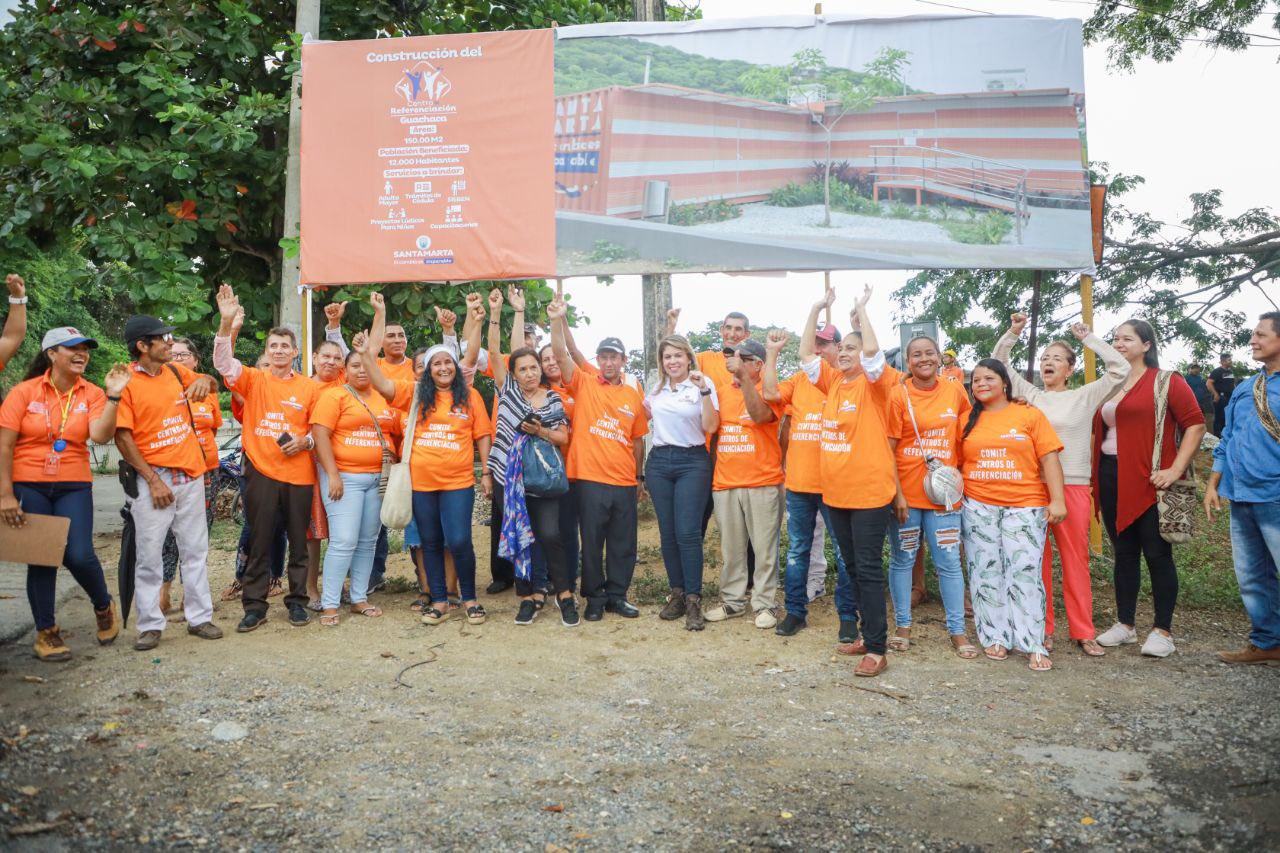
(353,529)
(380,550)
(73,501)
(1255,543)
(444,521)
(941,532)
(679,480)
(802,512)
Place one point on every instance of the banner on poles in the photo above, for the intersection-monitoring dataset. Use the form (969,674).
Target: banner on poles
(802,143)
(427,159)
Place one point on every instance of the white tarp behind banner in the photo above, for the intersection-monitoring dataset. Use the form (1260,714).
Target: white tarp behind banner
(821,143)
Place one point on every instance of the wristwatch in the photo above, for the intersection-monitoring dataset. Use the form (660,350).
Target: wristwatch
(17,300)
(705,392)
(111,399)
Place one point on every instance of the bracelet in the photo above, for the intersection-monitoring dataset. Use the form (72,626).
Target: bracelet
(705,392)
(17,300)
(111,399)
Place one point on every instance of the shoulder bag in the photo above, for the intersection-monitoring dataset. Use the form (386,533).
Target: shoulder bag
(544,474)
(1177,504)
(397,503)
(1260,403)
(943,484)
(388,458)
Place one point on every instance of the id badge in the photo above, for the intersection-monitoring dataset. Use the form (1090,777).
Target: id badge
(51,463)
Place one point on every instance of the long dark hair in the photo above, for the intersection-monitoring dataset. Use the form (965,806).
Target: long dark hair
(1146,334)
(40,365)
(427,392)
(997,367)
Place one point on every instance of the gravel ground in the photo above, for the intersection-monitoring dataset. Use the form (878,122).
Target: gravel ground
(627,733)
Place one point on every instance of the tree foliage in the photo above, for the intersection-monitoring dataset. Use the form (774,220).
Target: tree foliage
(160,129)
(1159,30)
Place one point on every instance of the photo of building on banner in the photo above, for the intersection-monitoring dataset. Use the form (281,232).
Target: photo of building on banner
(836,143)
(426,159)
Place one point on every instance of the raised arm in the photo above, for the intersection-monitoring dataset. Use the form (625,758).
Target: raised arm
(516,297)
(1021,387)
(673,317)
(870,344)
(773,346)
(757,408)
(1115,365)
(333,325)
(230,315)
(556,312)
(472,326)
(807,351)
(15,326)
(496,364)
(572,345)
(369,347)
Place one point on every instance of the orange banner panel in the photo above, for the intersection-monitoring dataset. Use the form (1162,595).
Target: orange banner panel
(428,159)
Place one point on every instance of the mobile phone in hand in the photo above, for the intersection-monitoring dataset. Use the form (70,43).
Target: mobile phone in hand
(284,439)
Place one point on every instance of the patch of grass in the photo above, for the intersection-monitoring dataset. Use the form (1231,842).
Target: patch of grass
(646,589)
(225,535)
(400,583)
(697,214)
(989,229)
(605,252)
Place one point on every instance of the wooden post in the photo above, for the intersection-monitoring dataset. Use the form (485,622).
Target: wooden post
(826,276)
(292,310)
(1036,279)
(1090,375)
(655,288)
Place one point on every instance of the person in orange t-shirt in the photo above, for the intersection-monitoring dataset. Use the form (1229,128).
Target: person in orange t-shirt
(1013,490)
(603,464)
(46,423)
(354,427)
(278,470)
(208,417)
(156,435)
(859,477)
(807,516)
(925,418)
(951,370)
(448,429)
(746,487)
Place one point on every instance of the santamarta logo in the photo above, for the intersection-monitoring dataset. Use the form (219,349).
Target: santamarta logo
(423,83)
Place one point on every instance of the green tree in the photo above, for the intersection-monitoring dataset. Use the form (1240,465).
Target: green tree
(830,93)
(160,129)
(1159,29)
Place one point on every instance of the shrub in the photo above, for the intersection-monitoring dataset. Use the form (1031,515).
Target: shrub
(990,229)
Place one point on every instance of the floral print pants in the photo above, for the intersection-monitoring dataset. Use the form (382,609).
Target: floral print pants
(1003,548)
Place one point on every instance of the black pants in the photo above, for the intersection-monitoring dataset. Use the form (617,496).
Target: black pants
(264,499)
(500,569)
(859,534)
(544,517)
(607,521)
(1140,539)
(1220,415)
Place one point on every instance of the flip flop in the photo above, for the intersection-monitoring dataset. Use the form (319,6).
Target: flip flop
(1000,655)
(1039,662)
(329,620)
(369,610)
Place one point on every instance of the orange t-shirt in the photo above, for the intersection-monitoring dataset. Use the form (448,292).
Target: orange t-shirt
(208,415)
(711,363)
(856,463)
(336,382)
(804,404)
(566,399)
(955,373)
(33,410)
(606,421)
(1002,457)
(748,454)
(355,444)
(397,372)
(444,444)
(155,410)
(274,406)
(941,413)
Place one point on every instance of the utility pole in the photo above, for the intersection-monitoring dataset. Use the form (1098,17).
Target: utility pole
(656,289)
(290,312)
(1036,278)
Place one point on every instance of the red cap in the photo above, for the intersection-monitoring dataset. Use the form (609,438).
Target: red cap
(828,332)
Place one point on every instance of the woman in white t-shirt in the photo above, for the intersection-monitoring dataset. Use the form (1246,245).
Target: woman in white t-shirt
(683,411)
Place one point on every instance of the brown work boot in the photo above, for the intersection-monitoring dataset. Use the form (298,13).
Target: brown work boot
(146,641)
(1252,654)
(50,646)
(166,604)
(108,624)
(207,631)
(675,605)
(693,613)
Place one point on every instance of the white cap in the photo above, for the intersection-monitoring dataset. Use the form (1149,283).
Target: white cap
(66,336)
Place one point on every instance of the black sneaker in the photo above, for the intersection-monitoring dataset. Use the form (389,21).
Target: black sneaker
(623,608)
(594,612)
(497,587)
(540,602)
(568,612)
(528,612)
(250,622)
(848,631)
(298,616)
(789,626)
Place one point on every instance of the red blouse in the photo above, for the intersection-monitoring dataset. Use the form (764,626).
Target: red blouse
(1135,438)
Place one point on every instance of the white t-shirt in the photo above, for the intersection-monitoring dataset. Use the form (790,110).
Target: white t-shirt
(675,414)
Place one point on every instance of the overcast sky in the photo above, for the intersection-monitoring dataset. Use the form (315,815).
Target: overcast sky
(1189,125)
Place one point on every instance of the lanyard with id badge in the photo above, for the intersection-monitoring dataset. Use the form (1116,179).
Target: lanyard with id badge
(53,461)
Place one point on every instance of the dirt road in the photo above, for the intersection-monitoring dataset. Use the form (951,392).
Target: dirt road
(627,734)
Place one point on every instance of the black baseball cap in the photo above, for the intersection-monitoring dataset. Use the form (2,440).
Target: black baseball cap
(142,326)
(750,348)
(612,345)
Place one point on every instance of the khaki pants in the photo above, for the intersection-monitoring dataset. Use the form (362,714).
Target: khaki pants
(754,516)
